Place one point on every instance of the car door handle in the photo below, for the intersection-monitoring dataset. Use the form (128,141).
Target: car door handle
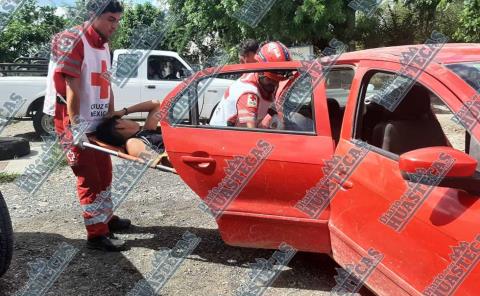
(151,86)
(200,161)
(213,91)
(346,184)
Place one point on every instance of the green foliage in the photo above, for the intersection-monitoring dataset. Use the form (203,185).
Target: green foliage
(202,27)
(210,24)
(469,30)
(408,22)
(30,28)
(135,16)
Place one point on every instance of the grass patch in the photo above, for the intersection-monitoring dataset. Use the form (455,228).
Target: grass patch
(57,153)
(7,177)
(63,163)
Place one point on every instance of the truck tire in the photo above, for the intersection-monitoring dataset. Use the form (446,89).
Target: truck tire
(12,147)
(43,124)
(6,237)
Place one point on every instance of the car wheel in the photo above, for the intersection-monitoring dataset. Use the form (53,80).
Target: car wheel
(6,237)
(12,147)
(43,124)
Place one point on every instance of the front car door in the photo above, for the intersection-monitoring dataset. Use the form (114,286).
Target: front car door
(264,172)
(425,234)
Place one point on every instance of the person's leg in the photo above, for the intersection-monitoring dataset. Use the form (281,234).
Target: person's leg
(135,147)
(90,183)
(92,178)
(105,164)
(105,173)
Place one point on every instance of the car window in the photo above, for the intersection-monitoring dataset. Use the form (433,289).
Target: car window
(127,65)
(182,105)
(470,72)
(421,119)
(295,102)
(225,103)
(338,84)
(165,68)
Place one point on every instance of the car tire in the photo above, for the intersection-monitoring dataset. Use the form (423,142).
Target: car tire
(43,123)
(12,147)
(6,237)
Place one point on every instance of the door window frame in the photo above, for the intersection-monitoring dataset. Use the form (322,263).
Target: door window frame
(195,110)
(134,73)
(166,57)
(357,127)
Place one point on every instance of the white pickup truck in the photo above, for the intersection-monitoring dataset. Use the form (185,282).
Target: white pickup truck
(157,74)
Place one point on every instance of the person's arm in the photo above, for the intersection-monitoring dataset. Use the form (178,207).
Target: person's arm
(152,120)
(144,106)
(247,108)
(73,101)
(111,106)
(152,107)
(69,65)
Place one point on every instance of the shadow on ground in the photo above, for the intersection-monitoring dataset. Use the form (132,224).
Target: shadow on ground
(97,273)
(31,137)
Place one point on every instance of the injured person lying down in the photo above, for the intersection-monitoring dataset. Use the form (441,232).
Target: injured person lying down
(130,134)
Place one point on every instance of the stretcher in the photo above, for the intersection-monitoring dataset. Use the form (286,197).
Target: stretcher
(160,163)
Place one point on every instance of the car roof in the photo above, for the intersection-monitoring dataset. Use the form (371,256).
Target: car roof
(450,53)
(148,51)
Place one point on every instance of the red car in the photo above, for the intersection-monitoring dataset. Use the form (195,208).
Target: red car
(345,173)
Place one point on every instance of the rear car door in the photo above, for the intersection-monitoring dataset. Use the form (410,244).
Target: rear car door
(261,210)
(425,234)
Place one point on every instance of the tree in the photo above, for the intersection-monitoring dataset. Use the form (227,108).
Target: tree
(135,17)
(408,22)
(31,27)
(469,30)
(209,24)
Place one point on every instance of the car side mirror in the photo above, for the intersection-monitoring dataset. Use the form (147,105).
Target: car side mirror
(442,167)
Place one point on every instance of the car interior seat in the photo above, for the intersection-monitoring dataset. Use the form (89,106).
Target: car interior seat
(299,122)
(474,150)
(411,126)
(336,116)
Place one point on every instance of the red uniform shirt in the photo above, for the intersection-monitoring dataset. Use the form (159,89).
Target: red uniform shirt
(71,58)
(248,104)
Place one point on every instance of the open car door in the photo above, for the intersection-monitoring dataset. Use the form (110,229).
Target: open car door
(253,178)
(426,236)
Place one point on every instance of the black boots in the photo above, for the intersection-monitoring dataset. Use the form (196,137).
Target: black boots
(110,243)
(106,243)
(117,224)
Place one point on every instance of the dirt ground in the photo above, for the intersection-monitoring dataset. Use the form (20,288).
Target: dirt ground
(162,208)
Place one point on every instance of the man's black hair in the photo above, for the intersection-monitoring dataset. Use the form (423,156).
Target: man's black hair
(107,132)
(248,46)
(113,6)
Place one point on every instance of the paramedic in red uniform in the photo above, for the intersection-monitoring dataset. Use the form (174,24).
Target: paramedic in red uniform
(76,89)
(248,101)
(248,50)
